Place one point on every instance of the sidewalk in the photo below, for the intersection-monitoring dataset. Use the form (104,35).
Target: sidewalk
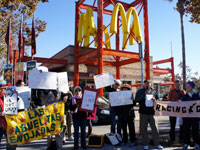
(163,123)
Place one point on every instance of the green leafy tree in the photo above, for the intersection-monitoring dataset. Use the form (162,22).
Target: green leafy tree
(14,10)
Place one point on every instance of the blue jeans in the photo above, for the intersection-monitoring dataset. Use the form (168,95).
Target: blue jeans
(79,123)
(114,121)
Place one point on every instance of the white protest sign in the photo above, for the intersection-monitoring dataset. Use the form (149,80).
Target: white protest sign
(42,80)
(63,82)
(10,101)
(120,98)
(89,99)
(148,100)
(103,80)
(24,93)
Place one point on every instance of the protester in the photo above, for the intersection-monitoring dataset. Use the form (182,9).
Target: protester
(2,114)
(114,110)
(147,114)
(3,124)
(20,102)
(189,123)
(79,119)
(175,95)
(52,97)
(127,118)
(67,98)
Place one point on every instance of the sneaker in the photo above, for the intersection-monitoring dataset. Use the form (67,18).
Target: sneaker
(160,146)
(185,147)
(146,147)
(196,146)
(70,139)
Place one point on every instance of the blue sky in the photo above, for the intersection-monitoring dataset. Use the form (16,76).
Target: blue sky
(164,28)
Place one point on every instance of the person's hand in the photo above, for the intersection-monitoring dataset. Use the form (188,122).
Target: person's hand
(2,114)
(153,99)
(147,92)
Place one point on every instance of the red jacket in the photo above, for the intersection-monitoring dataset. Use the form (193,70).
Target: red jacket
(175,95)
(2,119)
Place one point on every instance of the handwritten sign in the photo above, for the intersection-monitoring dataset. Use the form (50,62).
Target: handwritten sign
(24,93)
(103,80)
(89,100)
(120,98)
(42,80)
(148,100)
(63,82)
(10,101)
(35,124)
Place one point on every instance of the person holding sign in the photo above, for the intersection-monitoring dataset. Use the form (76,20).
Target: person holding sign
(67,98)
(145,98)
(2,114)
(175,95)
(3,124)
(127,118)
(113,110)
(191,122)
(79,119)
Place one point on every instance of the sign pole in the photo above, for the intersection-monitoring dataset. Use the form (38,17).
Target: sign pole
(142,63)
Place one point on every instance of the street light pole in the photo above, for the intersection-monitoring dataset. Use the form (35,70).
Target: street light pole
(142,64)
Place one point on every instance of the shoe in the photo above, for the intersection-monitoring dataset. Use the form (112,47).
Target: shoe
(131,144)
(70,139)
(84,147)
(160,146)
(185,147)
(146,147)
(197,147)
(123,143)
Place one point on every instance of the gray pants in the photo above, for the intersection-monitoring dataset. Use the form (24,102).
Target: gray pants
(145,119)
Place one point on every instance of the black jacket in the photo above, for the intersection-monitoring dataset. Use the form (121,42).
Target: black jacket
(186,97)
(140,98)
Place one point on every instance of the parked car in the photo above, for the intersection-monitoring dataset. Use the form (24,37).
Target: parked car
(103,111)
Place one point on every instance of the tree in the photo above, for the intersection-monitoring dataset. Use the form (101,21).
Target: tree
(190,75)
(14,10)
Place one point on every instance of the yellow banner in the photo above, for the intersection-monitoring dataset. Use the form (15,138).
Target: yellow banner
(35,124)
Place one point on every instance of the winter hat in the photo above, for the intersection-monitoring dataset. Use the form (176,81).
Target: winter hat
(77,88)
(126,86)
(191,84)
(118,82)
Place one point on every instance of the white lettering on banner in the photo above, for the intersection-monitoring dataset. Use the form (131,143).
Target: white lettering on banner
(103,80)
(120,98)
(179,109)
(89,99)
(10,101)
(24,93)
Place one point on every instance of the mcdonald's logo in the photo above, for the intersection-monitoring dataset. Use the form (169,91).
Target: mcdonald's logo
(88,28)
(126,25)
